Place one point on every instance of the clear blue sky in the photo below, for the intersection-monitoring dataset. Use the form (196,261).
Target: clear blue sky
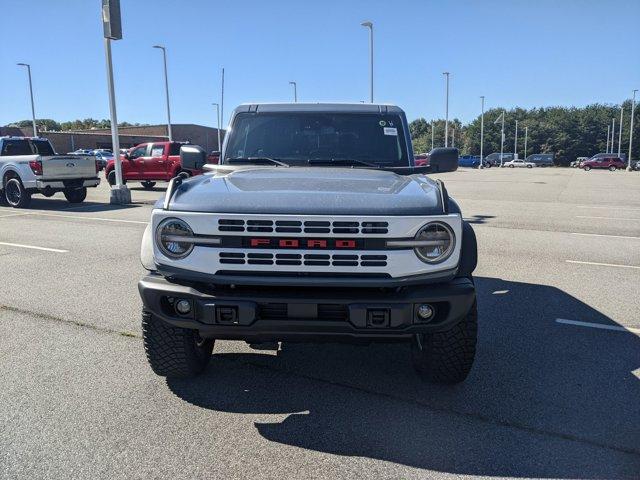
(516,53)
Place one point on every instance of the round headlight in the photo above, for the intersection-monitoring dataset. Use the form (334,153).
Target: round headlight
(168,238)
(437,241)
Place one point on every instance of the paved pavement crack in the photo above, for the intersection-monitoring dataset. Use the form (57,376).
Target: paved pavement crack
(449,411)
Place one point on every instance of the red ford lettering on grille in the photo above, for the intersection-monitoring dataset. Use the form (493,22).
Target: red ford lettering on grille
(345,244)
(260,242)
(289,243)
(303,243)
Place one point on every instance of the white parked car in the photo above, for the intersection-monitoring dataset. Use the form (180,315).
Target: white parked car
(30,165)
(519,162)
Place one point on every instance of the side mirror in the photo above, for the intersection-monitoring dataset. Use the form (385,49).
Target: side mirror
(192,157)
(443,160)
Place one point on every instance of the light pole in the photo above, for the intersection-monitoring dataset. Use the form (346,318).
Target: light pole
(501,137)
(295,91)
(112,26)
(608,137)
(217,105)
(433,132)
(369,25)
(453,137)
(515,143)
(620,132)
(481,132)
(446,112)
(222,98)
(33,110)
(526,137)
(166,88)
(633,109)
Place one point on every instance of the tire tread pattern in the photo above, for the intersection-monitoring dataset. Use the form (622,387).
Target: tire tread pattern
(172,351)
(447,357)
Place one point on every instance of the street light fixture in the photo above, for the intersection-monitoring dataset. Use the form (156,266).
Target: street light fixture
(446,113)
(33,110)
(633,109)
(166,88)
(369,25)
(217,105)
(481,132)
(295,91)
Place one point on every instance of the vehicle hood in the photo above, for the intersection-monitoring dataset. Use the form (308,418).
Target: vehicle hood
(309,191)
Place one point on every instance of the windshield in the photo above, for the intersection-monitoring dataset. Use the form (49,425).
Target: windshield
(299,138)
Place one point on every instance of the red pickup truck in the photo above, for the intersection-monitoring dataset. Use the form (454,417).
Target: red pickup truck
(149,163)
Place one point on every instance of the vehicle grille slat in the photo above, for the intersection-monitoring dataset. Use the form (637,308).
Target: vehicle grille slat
(299,226)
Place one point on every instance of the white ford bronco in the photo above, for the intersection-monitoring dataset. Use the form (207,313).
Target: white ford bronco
(29,165)
(315,226)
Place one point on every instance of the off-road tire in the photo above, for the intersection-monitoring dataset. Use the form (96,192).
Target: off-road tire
(148,185)
(173,351)
(15,194)
(447,357)
(75,195)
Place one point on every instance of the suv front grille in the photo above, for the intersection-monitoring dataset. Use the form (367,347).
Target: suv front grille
(299,226)
(309,259)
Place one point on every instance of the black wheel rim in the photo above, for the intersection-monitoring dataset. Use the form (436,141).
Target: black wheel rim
(13,192)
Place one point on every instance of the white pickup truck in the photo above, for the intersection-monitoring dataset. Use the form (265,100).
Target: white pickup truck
(29,165)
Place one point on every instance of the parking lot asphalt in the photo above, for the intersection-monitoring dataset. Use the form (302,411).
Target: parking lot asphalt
(553,393)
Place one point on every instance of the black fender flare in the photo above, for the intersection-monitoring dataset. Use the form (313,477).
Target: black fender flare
(468,251)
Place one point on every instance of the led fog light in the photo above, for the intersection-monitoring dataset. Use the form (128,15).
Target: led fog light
(425,311)
(183,307)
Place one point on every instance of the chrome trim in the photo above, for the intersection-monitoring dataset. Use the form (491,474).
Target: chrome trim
(192,239)
(415,243)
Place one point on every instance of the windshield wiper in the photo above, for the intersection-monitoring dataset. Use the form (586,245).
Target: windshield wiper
(256,160)
(340,161)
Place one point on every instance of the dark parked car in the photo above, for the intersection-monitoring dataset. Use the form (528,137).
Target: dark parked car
(493,159)
(541,159)
(421,160)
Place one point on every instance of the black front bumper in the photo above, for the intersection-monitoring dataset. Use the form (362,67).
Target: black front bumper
(293,313)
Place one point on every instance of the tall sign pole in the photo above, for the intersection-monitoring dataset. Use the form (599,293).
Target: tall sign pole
(515,143)
(481,132)
(620,132)
(433,132)
(633,110)
(446,112)
(112,26)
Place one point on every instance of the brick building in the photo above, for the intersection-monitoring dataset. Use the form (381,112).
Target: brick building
(69,141)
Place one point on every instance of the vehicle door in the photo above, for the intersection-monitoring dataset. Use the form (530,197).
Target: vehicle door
(155,167)
(134,169)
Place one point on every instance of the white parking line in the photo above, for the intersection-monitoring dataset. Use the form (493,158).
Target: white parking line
(602,235)
(603,264)
(13,215)
(33,247)
(607,218)
(601,326)
(101,219)
(609,207)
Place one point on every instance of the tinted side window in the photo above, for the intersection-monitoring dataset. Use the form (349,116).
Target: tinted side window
(174,148)
(43,147)
(16,147)
(141,151)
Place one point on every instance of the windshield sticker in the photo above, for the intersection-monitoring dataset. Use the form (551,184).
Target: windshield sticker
(391,131)
(382,123)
